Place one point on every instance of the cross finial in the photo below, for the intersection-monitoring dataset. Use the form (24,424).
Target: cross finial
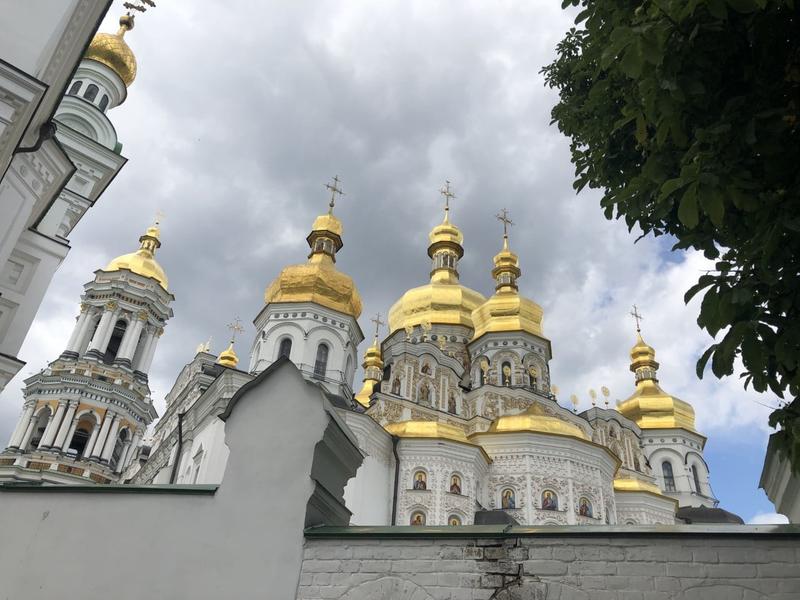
(638,317)
(503,217)
(335,189)
(159,217)
(236,328)
(377,320)
(448,195)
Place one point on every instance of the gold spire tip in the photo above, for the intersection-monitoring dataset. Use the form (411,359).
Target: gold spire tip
(236,328)
(378,324)
(448,195)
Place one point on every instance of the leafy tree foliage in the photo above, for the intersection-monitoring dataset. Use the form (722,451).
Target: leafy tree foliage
(685,114)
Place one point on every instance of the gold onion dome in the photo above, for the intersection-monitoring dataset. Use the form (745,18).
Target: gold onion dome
(228,358)
(318,280)
(373,369)
(143,262)
(535,420)
(111,50)
(507,310)
(444,300)
(650,407)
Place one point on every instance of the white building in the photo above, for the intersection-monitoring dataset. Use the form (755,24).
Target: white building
(57,153)
(85,415)
(456,417)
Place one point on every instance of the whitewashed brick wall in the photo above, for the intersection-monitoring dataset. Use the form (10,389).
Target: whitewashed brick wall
(574,567)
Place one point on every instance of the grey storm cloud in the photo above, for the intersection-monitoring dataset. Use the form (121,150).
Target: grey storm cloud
(241,111)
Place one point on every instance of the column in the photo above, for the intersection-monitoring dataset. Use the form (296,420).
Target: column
(147,358)
(52,426)
(26,439)
(97,448)
(131,338)
(123,457)
(149,337)
(133,448)
(87,452)
(21,427)
(111,441)
(104,327)
(66,423)
(74,340)
(70,433)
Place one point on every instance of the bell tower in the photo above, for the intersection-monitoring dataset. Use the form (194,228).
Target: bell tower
(84,416)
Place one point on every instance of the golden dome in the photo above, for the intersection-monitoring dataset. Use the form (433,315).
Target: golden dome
(534,419)
(507,310)
(373,370)
(111,50)
(228,358)
(650,407)
(444,300)
(629,484)
(318,280)
(142,262)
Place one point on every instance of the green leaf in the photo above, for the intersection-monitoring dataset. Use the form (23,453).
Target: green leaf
(714,206)
(583,15)
(671,185)
(631,63)
(702,283)
(701,364)
(687,211)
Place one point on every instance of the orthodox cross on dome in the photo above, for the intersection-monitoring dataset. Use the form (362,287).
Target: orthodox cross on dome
(159,217)
(378,323)
(335,189)
(448,195)
(637,317)
(138,5)
(236,328)
(503,217)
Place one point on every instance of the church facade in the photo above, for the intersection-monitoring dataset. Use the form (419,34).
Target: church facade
(457,419)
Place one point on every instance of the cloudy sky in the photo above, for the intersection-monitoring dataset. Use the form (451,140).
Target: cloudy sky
(241,111)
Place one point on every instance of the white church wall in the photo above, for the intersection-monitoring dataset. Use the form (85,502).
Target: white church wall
(368,495)
(220,544)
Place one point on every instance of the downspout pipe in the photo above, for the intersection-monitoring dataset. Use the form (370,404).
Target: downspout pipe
(179,452)
(395,441)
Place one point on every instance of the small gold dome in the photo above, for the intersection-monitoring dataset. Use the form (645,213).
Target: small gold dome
(628,484)
(373,369)
(143,262)
(111,50)
(318,280)
(649,406)
(535,420)
(228,358)
(444,300)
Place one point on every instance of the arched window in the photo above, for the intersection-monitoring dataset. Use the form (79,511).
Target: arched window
(321,362)
(38,428)
(585,507)
(115,341)
(396,386)
(455,484)
(387,372)
(451,404)
(454,520)
(348,368)
(417,518)
(83,431)
(198,460)
(103,102)
(285,349)
(420,481)
(505,372)
(91,92)
(116,454)
(696,477)
(75,88)
(669,478)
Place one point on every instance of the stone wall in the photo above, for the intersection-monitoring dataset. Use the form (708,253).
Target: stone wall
(679,563)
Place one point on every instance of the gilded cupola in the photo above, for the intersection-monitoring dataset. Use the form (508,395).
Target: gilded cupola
(373,371)
(143,262)
(318,280)
(507,310)
(535,419)
(111,50)
(444,300)
(650,407)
